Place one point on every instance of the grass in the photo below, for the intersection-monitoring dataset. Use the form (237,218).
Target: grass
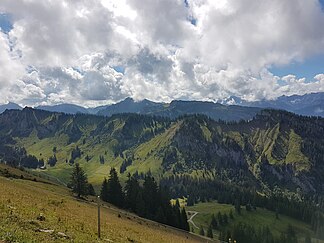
(147,157)
(22,201)
(295,156)
(256,218)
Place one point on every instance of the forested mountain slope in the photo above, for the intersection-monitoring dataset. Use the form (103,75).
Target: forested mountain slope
(276,148)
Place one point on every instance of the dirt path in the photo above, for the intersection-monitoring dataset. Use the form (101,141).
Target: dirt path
(190,220)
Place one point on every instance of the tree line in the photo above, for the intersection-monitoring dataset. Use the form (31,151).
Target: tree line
(147,200)
(309,209)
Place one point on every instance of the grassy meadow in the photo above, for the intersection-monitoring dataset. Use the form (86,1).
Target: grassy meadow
(257,218)
(68,219)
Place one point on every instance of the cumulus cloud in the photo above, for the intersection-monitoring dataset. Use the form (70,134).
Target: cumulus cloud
(93,52)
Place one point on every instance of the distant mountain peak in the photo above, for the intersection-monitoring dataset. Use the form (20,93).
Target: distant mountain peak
(9,106)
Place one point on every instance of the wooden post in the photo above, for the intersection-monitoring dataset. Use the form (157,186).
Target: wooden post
(98,200)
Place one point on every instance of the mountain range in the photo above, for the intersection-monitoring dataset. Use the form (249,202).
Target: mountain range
(232,108)
(9,106)
(276,148)
(308,104)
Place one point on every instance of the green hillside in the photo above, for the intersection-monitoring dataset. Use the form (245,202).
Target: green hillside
(256,217)
(65,219)
(276,148)
(274,161)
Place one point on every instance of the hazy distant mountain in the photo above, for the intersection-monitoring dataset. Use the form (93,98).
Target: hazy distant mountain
(231,108)
(65,108)
(308,104)
(130,106)
(179,108)
(95,110)
(9,106)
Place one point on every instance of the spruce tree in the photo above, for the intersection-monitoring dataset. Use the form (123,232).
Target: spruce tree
(91,190)
(225,219)
(150,196)
(104,190)
(132,189)
(231,214)
(160,216)
(201,231)
(79,181)
(115,194)
(213,222)
(220,218)
(184,220)
(210,232)
(238,207)
(140,205)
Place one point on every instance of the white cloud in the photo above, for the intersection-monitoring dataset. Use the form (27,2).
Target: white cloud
(73,48)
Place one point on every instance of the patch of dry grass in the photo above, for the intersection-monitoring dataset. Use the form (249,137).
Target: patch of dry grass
(22,201)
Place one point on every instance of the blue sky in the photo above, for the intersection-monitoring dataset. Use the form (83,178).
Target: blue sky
(322,3)
(308,68)
(5,23)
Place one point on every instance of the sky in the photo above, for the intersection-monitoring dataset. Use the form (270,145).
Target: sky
(96,52)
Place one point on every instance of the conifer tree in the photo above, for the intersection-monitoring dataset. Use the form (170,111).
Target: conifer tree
(210,232)
(220,218)
(225,219)
(184,220)
(104,190)
(115,194)
(140,205)
(231,214)
(238,207)
(201,231)
(132,189)
(79,181)
(150,196)
(91,190)
(213,222)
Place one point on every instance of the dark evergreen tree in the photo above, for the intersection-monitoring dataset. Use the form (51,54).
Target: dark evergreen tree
(79,181)
(114,190)
(91,190)
(104,190)
(220,218)
(52,160)
(132,188)
(201,231)
(184,220)
(213,222)
(231,214)
(41,163)
(225,219)
(140,205)
(210,232)
(238,207)
(150,196)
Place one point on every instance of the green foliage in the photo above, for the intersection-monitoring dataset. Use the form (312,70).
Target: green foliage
(201,231)
(111,190)
(91,190)
(210,232)
(52,160)
(104,190)
(79,181)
